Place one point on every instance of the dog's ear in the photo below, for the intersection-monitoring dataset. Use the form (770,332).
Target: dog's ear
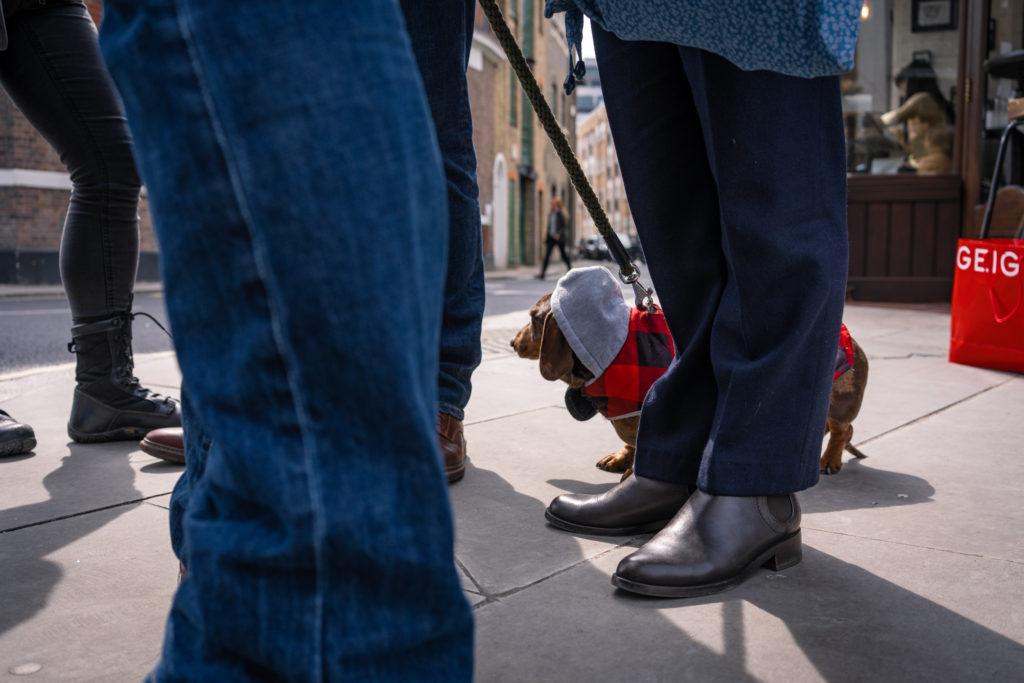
(556,358)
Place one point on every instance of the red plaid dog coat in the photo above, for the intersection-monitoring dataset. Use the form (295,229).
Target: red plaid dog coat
(844,355)
(645,357)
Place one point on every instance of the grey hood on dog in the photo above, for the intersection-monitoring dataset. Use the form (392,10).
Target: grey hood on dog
(592,314)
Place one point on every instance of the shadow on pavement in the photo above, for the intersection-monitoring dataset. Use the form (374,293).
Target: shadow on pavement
(28,577)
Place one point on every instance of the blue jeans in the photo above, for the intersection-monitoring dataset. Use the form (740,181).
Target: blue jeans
(744,229)
(441,32)
(441,39)
(299,200)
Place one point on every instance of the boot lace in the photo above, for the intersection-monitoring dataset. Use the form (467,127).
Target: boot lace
(127,364)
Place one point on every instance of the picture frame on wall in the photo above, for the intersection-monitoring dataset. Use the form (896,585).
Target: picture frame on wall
(933,15)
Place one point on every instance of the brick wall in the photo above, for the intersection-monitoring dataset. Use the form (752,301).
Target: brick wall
(32,218)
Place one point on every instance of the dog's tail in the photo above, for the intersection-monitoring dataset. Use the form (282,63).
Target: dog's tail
(854,450)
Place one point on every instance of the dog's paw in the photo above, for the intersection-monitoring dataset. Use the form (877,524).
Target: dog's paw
(831,468)
(616,462)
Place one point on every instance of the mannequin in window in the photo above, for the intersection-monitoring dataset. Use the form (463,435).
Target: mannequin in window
(927,117)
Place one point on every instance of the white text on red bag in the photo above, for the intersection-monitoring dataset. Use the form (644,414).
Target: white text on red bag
(988,260)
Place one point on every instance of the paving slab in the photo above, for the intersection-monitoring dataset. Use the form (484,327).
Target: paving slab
(853,610)
(508,385)
(899,330)
(912,571)
(950,480)
(62,477)
(518,465)
(902,390)
(85,598)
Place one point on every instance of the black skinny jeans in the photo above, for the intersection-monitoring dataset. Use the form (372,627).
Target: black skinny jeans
(53,72)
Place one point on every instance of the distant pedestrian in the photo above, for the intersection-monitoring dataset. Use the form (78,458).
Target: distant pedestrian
(558,230)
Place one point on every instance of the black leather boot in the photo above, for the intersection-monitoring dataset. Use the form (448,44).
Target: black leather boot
(713,544)
(636,505)
(15,438)
(109,403)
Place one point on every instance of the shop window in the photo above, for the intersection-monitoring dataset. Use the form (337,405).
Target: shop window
(899,103)
(1004,35)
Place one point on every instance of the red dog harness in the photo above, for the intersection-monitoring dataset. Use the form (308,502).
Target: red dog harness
(844,355)
(645,357)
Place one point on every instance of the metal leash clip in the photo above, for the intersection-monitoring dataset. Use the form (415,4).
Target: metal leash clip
(644,295)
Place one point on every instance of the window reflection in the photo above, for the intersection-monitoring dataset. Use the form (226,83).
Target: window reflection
(897,102)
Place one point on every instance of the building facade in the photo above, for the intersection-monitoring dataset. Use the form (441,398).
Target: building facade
(517,167)
(596,151)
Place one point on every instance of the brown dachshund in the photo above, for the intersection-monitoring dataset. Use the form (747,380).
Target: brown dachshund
(543,341)
(843,406)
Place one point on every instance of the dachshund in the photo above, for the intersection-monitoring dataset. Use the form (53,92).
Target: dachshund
(848,384)
(543,341)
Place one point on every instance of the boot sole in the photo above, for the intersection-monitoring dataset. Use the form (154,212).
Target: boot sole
(158,450)
(785,554)
(120,434)
(454,474)
(648,528)
(17,446)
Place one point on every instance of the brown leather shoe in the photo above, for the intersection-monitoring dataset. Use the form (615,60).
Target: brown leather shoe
(167,444)
(453,446)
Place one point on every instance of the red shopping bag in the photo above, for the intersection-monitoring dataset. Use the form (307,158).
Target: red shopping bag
(988,304)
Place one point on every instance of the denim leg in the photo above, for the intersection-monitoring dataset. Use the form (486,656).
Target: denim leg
(441,35)
(197,448)
(755,298)
(298,195)
(53,72)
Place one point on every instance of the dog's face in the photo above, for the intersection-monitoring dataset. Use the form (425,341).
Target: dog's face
(543,341)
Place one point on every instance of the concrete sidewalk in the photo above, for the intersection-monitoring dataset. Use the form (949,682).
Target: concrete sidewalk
(913,558)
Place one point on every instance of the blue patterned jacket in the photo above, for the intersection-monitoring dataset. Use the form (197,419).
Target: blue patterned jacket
(805,38)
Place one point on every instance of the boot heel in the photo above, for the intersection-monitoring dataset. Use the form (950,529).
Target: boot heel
(787,554)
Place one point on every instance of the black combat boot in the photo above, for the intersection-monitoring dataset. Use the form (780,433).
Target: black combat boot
(15,438)
(109,404)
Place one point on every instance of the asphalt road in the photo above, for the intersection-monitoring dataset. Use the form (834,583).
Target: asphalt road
(35,332)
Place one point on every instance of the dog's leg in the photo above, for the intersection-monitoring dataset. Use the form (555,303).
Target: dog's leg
(839,437)
(622,461)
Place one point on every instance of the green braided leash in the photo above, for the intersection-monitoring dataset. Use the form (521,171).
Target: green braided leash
(628,272)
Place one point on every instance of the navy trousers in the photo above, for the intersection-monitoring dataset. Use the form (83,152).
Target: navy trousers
(737,185)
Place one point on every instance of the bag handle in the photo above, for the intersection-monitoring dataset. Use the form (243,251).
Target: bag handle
(628,272)
(986,223)
(992,298)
